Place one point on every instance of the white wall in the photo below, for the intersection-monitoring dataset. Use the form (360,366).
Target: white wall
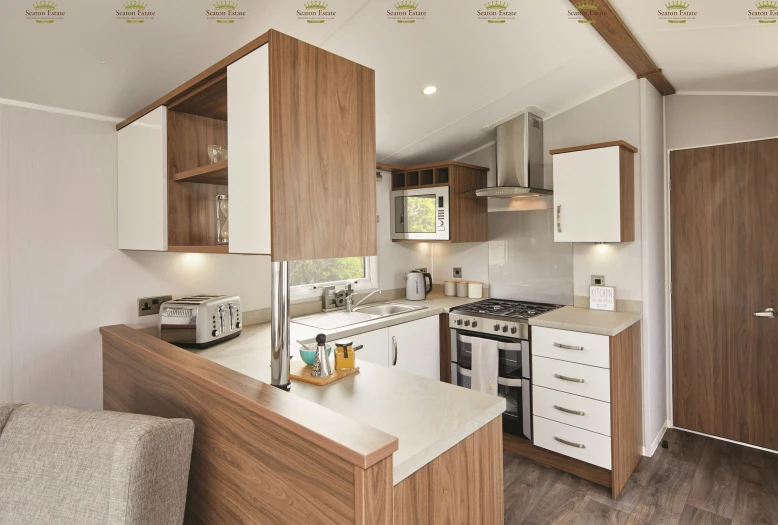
(614,115)
(655,407)
(67,276)
(6,387)
(701,120)
(473,258)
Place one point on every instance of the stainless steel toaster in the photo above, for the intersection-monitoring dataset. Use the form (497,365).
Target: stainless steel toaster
(200,320)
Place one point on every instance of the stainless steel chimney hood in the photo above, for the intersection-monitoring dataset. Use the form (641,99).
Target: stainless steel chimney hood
(519,159)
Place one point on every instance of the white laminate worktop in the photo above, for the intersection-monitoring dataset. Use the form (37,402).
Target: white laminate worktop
(435,304)
(585,320)
(428,417)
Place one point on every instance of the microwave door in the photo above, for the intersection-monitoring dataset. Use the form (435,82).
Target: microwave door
(399,216)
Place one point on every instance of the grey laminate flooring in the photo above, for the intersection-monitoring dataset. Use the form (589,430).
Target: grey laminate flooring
(695,481)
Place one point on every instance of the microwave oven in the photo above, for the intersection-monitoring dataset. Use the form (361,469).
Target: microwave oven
(420,214)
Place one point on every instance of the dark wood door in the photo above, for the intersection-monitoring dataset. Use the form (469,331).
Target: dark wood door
(724,226)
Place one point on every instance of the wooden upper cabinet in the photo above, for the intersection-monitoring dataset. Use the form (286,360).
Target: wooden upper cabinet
(299,124)
(594,193)
(467,213)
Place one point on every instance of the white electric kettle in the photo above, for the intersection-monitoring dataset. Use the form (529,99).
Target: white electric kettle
(415,285)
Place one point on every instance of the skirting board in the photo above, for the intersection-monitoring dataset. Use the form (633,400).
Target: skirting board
(724,439)
(657,440)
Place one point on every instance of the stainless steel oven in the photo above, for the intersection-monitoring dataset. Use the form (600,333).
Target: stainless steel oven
(420,214)
(514,375)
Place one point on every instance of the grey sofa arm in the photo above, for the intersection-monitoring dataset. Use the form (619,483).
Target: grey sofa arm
(62,465)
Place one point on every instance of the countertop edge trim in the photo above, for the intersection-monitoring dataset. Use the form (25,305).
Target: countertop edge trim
(364,460)
(573,327)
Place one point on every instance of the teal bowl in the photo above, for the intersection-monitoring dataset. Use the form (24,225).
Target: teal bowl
(310,355)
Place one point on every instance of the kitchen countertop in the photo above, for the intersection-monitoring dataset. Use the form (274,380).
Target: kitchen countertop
(428,417)
(435,304)
(585,320)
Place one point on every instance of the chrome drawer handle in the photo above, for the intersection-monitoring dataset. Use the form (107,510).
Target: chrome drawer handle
(569,347)
(571,379)
(569,443)
(559,218)
(568,411)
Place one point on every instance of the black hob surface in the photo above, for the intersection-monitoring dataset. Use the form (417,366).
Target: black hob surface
(505,308)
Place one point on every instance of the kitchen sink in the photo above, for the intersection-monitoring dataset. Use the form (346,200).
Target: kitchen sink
(383,310)
(339,319)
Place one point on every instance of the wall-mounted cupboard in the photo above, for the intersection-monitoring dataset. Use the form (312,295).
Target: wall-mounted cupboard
(467,214)
(299,126)
(594,193)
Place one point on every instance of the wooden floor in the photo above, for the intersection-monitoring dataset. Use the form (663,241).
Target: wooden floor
(697,480)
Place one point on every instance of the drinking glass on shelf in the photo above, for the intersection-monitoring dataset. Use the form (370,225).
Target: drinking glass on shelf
(217,153)
(222,219)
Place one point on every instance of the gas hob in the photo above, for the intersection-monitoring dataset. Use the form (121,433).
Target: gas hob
(501,317)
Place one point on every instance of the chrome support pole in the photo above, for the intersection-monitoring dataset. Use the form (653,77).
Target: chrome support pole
(279,325)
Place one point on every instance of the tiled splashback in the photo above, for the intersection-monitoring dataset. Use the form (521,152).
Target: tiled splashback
(524,261)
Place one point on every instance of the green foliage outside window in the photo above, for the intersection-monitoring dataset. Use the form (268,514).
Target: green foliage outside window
(420,215)
(326,270)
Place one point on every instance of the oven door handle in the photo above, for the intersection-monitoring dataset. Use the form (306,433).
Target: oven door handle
(501,345)
(509,381)
(504,381)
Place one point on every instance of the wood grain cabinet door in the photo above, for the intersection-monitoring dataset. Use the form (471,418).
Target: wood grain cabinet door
(142,183)
(724,225)
(248,133)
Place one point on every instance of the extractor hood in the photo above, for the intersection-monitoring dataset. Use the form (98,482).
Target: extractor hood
(519,159)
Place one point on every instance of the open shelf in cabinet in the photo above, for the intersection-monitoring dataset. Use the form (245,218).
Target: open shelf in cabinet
(193,182)
(211,174)
(208,99)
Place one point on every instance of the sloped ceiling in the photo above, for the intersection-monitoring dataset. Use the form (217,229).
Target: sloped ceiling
(91,61)
(719,48)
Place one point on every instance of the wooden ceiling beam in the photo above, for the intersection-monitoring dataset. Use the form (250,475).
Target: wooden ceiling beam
(607,22)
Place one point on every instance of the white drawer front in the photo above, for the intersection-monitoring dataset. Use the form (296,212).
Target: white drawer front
(581,380)
(595,448)
(588,349)
(570,409)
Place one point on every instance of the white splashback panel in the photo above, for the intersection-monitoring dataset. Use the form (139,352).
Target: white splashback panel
(524,261)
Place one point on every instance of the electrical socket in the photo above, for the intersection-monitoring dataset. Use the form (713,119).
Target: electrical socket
(150,305)
(457,273)
(422,269)
(598,280)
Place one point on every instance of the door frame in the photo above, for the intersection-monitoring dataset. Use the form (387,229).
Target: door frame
(669,280)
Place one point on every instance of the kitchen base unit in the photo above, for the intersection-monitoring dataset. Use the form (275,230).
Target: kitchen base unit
(379,447)
(587,397)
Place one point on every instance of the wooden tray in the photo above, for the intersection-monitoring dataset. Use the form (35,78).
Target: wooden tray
(299,371)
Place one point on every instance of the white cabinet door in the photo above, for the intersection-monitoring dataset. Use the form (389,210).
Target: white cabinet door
(415,347)
(375,347)
(587,199)
(248,140)
(142,183)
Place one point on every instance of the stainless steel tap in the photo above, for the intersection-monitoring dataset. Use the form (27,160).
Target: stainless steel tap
(350,298)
